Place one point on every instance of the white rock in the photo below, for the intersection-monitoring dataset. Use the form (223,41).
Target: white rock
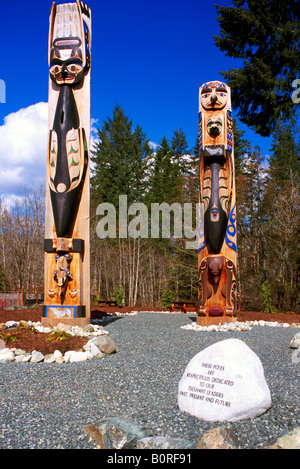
(50,358)
(78,357)
(4,350)
(89,355)
(10,324)
(60,360)
(19,351)
(67,356)
(36,357)
(294,343)
(57,353)
(19,358)
(91,347)
(73,356)
(8,356)
(224,382)
(261,322)
(43,329)
(61,327)
(26,358)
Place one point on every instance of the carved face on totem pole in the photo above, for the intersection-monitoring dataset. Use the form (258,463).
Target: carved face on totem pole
(68,70)
(217,247)
(213,95)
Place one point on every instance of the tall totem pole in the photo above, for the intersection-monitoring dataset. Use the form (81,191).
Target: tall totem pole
(217,254)
(66,244)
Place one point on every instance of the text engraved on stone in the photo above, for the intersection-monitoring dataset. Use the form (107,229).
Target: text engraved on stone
(210,385)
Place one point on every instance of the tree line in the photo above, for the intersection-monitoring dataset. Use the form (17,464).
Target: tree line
(156,271)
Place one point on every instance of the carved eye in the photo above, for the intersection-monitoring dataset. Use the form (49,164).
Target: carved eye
(74,68)
(55,70)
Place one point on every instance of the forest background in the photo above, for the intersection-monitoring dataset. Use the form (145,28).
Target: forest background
(154,272)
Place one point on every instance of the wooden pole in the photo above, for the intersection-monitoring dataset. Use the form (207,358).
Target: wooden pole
(217,258)
(67,237)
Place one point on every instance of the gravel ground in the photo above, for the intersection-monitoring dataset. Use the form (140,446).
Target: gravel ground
(47,406)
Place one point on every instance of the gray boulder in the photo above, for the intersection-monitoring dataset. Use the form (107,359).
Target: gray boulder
(105,344)
(116,433)
(295,342)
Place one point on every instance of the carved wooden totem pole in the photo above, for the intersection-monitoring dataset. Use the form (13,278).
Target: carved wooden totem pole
(66,244)
(217,255)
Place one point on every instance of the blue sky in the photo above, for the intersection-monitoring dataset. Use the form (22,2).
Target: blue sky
(149,56)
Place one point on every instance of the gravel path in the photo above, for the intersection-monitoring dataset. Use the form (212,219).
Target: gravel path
(49,405)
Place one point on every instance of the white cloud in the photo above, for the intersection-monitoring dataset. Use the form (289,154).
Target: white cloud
(23,149)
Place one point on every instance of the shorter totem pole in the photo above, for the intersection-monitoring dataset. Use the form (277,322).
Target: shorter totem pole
(66,244)
(217,254)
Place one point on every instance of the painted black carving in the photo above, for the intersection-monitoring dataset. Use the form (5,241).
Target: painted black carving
(215,218)
(64,196)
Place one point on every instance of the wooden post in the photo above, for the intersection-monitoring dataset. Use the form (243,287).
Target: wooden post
(67,238)
(217,258)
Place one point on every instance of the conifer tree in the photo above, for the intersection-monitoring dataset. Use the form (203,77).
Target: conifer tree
(119,160)
(179,145)
(265,36)
(165,182)
(285,160)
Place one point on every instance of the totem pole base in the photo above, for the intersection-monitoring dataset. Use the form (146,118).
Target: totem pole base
(53,322)
(70,315)
(216,320)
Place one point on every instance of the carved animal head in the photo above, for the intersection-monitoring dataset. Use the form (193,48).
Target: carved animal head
(215,265)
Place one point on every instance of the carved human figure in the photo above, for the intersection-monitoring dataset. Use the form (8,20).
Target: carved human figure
(62,274)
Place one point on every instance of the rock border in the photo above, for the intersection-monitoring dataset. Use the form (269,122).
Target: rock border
(98,344)
(237,326)
(117,432)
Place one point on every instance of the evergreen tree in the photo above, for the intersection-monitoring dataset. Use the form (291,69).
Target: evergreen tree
(251,220)
(283,218)
(179,145)
(119,160)
(284,162)
(265,35)
(241,147)
(166,180)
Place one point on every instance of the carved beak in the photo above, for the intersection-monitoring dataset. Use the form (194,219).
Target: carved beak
(214,97)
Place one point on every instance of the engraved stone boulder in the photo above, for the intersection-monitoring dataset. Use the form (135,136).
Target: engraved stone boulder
(224,382)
